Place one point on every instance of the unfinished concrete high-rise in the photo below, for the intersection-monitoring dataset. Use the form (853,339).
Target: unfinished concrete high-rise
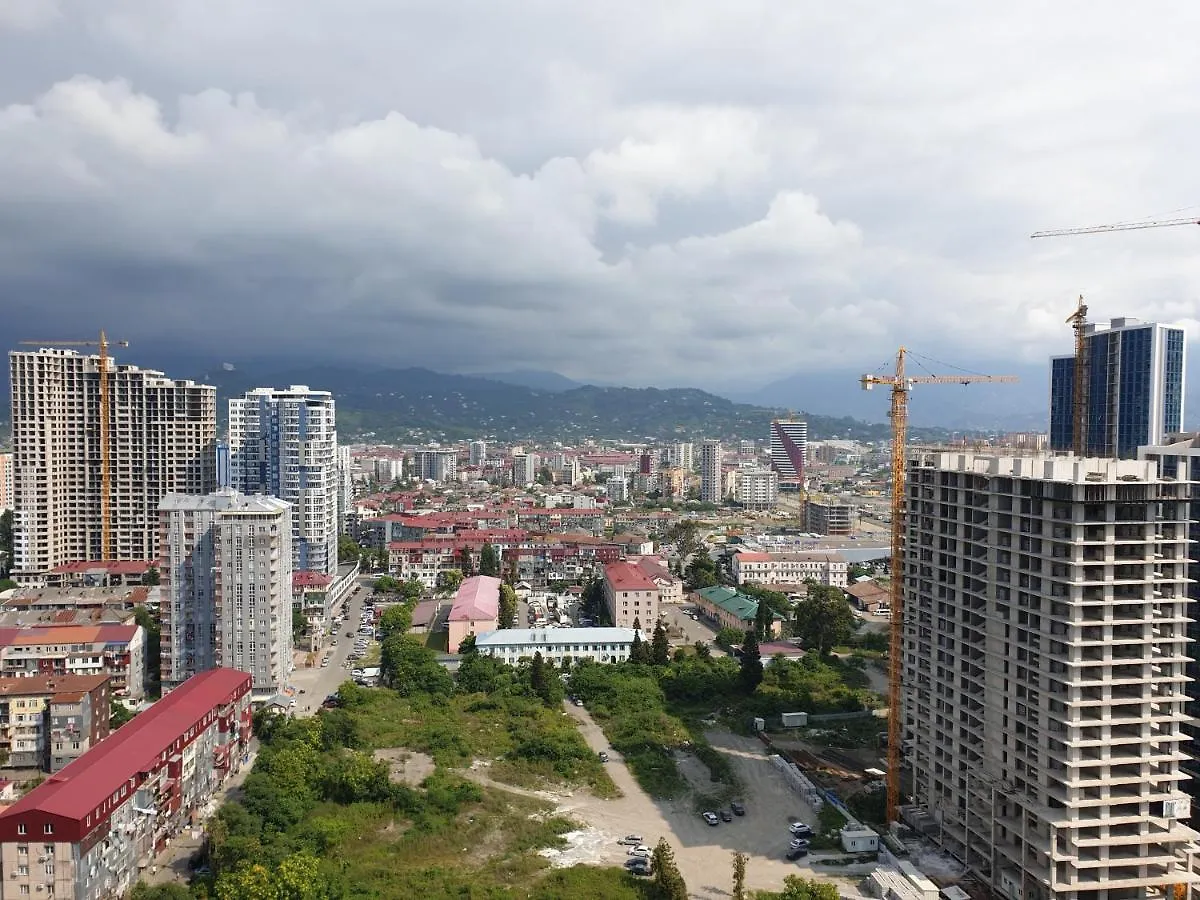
(1045,616)
(161,439)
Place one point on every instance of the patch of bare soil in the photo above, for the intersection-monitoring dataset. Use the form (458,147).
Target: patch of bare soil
(405,766)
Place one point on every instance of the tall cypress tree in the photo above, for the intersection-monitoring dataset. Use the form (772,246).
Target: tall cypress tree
(752,668)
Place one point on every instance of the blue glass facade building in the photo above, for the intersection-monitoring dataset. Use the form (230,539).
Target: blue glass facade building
(1133,390)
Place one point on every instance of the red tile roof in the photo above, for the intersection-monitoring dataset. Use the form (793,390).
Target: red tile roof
(477,598)
(31,635)
(624,576)
(754,557)
(83,785)
(50,684)
(307,578)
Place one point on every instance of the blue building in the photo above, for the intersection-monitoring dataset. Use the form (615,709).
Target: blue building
(1133,390)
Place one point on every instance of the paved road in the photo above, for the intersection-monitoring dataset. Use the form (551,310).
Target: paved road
(678,617)
(317,682)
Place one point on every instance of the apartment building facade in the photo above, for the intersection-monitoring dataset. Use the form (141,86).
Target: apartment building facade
(49,721)
(435,465)
(1045,616)
(6,482)
(112,650)
(283,443)
(789,448)
(88,833)
(758,488)
(161,439)
(790,568)
(829,517)
(557,645)
(631,596)
(226,568)
(712,483)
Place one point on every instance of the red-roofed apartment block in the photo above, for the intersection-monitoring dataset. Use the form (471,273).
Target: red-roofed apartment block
(85,831)
(109,648)
(476,609)
(629,595)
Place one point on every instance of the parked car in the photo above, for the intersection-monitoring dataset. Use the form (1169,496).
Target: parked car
(795,853)
(711,818)
(578,702)
(726,816)
(325,663)
(603,756)
(739,808)
(640,867)
(800,829)
(798,844)
(631,839)
(640,850)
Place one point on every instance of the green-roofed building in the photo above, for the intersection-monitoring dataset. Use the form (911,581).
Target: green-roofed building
(727,608)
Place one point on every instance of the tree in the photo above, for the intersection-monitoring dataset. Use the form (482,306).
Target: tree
(411,590)
(638,651)
(466,563)
(593,606)
(824,619)
(751,674)
(507,611)
(489,560)
(797,888)
(6,539)
(467,647)
(410,667)
(119,714)
(249,881)
(728,638)
(739,875)
(143,891)
(153,630)
(385,584)
(395,620)
(702,650)
(511,572)
(701,573)
(540,677)
(449,580)
(298,876)
(545,476)
(348,549)
(667,878)
(299,623)
(660,649)
(764,618)
(152,578)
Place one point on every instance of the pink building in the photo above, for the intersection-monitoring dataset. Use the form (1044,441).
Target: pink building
(475,610)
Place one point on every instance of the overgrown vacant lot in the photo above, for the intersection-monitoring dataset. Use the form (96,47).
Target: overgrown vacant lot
(526,743)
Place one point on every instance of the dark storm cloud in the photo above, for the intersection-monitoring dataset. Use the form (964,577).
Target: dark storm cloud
(481,186)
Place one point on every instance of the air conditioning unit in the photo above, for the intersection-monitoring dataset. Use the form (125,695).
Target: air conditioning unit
(12,874)
(42,859)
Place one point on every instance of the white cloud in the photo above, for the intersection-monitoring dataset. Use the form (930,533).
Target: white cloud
(617,192)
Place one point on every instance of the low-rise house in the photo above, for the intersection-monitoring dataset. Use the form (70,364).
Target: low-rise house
(475,610)
(557,645)
(48,721)
(727,608)
(869,595)
(789,568)
(88,831)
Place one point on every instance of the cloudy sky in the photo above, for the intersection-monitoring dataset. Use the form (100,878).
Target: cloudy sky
(700,192)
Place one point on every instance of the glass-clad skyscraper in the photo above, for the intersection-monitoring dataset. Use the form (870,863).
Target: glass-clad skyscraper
(1133,388)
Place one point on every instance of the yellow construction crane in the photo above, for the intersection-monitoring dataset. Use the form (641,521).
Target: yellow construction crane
(106,548)
(1119,226)
(1078,321)
(901,384)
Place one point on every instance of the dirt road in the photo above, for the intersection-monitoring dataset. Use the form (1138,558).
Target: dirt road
(704,853)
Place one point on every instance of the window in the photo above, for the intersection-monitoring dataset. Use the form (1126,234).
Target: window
(48,828)
(21,829)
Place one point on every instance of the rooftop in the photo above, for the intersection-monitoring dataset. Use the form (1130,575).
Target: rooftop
(307,578)
(478,598)
(38,685)
(625,576)
(224,500)
(542,637)
(739,605)
(83,785)
(105,567)
(36,635)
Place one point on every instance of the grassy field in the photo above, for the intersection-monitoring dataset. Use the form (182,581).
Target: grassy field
(526,744)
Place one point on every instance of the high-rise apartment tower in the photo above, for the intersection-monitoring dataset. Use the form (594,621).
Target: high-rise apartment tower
(435,465)
(161,439)
(1133,388)
(712,486)
(789,448)
(283,443)
(1045,646)
(226,564)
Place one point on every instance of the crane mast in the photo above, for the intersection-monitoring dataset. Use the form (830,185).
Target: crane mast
(1079,437)
(901,383)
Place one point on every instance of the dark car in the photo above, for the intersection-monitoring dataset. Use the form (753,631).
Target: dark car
(797,853)
(739,808)
(726,816)
(639,867)
(603,756)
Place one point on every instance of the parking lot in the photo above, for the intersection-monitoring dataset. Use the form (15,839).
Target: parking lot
(704,853)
